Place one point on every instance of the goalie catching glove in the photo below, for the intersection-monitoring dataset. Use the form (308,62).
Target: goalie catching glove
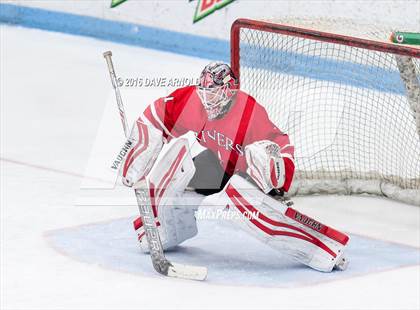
(266,164)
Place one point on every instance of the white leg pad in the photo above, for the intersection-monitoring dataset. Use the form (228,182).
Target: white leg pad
(167,181)
(175,225)
(283,228)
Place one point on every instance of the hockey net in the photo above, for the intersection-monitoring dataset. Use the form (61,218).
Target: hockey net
(350,105)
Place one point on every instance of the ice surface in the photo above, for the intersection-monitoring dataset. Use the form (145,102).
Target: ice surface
(54,89)
(232,257)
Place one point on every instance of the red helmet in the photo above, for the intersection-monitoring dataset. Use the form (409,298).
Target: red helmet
(217,87)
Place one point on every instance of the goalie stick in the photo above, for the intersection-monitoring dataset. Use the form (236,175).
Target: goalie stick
(159,261)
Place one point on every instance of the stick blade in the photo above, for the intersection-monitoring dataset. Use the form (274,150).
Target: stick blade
(187,272)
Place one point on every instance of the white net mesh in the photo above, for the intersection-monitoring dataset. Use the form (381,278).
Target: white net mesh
(345,109)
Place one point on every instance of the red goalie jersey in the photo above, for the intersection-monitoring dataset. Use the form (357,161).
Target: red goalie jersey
(245,122)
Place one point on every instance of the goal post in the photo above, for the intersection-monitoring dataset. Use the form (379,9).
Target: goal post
(350,105)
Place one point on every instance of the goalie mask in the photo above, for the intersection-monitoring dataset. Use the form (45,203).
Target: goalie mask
(216,89)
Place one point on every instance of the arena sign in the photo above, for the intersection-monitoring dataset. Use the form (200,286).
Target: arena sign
(115,3)
(207,7)
(204,7)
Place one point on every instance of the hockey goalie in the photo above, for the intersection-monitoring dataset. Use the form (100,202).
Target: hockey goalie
(248,165)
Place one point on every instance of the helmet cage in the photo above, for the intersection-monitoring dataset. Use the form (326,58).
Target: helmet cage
(216,90)
(214,99)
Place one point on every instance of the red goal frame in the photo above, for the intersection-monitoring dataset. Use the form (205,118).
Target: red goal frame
(309,34)
(344,180)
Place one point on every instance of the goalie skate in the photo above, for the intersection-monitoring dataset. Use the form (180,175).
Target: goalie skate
(342,263)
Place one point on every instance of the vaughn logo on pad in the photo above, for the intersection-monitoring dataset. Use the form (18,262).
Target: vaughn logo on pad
(121,155)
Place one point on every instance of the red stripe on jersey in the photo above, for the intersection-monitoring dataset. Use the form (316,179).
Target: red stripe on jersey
(244,206)
(174,106)
(240,135)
